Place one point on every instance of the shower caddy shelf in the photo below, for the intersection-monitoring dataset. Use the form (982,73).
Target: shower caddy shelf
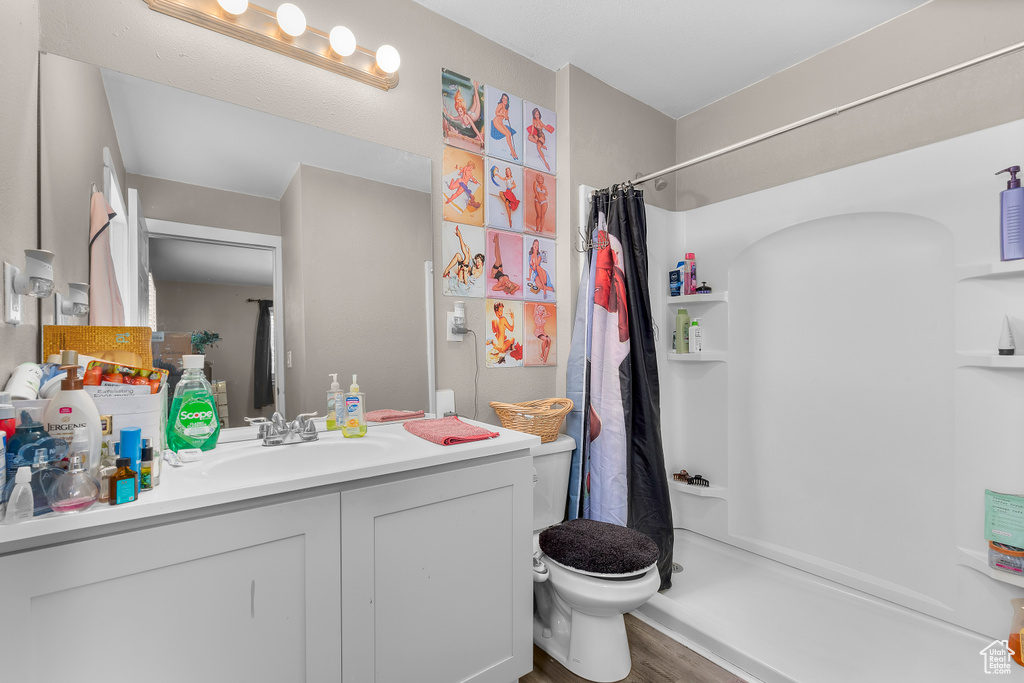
(978,561)
(995,270)
(989,360)
(697,300)
(703,491)
(998,269)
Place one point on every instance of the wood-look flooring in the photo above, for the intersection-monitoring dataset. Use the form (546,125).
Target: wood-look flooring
(656,659)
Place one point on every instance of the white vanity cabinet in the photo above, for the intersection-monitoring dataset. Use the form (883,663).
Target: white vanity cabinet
(387,565)
(437,577)
(247,595)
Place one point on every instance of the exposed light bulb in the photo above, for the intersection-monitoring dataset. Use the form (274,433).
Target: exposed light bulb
(388,59)
(291,20)
(235,7)
(343,41)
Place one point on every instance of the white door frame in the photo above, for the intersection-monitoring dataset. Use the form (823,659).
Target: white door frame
(253,240)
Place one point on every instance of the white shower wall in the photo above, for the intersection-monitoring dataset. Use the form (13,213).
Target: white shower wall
(845,431)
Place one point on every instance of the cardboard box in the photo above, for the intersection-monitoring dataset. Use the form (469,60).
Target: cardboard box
(169,347)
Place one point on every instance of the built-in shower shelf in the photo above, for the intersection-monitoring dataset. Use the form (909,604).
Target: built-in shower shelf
(704,491)
(990,360)
(702,357)
(991,270)
(979,562)
(689,299)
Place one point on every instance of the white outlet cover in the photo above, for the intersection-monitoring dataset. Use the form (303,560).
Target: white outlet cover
(12,301)
(451,336)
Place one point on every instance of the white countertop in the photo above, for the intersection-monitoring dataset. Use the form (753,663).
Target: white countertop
(245,470)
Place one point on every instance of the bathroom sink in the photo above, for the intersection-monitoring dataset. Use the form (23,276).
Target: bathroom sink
(251,460)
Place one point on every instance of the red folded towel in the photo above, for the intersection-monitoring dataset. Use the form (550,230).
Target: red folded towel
(389,415)
(447,431)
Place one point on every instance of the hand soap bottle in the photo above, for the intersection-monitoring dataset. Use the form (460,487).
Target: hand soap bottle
(355,415)
(71,409)
(1011,217)
(332,395)
(193,422)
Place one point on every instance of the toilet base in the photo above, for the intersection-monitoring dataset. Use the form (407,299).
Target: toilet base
(594,648)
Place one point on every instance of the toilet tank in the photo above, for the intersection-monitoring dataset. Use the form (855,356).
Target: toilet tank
(551,463)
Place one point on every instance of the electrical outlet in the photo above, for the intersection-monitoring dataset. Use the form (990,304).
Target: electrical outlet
(451,336)
(288,359)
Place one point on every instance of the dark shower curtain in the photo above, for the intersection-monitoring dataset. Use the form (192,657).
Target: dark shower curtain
(262,368)
(620,468)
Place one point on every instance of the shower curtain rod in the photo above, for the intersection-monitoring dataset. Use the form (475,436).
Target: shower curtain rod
(827,113)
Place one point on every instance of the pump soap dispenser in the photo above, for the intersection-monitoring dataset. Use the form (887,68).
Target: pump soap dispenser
(354,412)
(1011,213)
(332,403)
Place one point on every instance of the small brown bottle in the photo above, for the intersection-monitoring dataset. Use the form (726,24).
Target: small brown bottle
(122,483)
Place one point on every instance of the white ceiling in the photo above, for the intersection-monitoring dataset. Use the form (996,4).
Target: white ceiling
(183,260)
(675,55)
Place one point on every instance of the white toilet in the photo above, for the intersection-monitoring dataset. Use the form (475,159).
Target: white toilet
(577,614)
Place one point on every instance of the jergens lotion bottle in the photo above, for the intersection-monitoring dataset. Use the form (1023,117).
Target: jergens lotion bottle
(73,409)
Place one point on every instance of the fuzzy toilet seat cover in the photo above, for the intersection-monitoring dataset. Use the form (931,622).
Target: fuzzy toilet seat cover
(598,547)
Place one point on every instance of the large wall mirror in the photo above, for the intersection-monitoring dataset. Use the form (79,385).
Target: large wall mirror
(220,207)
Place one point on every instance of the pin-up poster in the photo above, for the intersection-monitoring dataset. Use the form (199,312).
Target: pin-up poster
(503,345)
(539,266)
(538,202)
(463,250)
(504,265)
(504,195)
(539,333)
(541,137)
(462,188)
(462,117)
(505,133)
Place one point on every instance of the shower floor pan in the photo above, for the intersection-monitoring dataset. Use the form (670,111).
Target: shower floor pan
(783,625)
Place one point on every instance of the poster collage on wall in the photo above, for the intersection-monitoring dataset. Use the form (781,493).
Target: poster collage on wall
(498,235)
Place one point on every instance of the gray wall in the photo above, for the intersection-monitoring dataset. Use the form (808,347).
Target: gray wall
(19,33)
(229,314)
(183,203)
(362,294)
(933,37)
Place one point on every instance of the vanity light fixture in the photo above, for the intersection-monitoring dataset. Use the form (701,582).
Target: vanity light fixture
(285,31)
(75,305)
(37,281)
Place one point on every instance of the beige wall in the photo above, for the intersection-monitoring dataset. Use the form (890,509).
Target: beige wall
(19,42)
(131,38)
(607,138)
(232,317)
(355,251)
(933,37)
(75,125)
(173,201)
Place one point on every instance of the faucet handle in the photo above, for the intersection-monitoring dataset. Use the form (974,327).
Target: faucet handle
(278,420)
(307,428)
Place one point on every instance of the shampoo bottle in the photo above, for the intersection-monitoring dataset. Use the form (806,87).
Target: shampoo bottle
(355,415)
(332,395)
(682,331)
(696,337)
(1011,212)
(71,409)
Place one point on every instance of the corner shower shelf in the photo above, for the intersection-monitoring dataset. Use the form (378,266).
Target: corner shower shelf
(999,269)
(989,360)
(703,357)
(978,561)
(703,491)
(698,298)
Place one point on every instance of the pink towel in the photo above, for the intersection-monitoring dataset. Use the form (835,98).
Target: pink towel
(105,305)
(388,415)
(446,431)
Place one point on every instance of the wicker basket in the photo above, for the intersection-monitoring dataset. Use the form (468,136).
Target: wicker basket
(534,417)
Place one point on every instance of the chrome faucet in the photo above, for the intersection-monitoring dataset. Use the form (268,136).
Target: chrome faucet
(277,431)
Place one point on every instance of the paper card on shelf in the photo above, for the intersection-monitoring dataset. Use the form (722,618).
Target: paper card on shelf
(1004,518)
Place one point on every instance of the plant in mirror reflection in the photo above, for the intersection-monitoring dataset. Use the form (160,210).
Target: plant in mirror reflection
(202,339)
